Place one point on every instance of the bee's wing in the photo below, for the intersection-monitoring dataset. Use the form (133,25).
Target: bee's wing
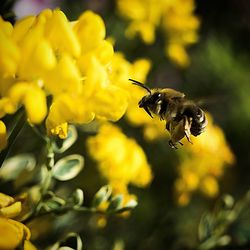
(210,102)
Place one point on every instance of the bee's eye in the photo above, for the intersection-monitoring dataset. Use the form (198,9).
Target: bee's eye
(156,97)
(159,100)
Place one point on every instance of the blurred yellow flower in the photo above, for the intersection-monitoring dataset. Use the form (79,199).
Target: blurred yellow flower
(174,17)
(120,159)
(13,233)
(203,163)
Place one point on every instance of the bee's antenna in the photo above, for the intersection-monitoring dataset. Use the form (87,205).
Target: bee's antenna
(140,85)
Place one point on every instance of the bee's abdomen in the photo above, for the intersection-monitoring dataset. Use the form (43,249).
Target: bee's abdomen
(199,121)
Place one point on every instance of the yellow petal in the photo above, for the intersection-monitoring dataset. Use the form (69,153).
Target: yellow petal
(18,91)
(178,54)
(11,211)
(104,52)
(6,27)
(96,76)
(33,98)
(29,66)
(140,69)
(9,54)
(3,138)
(5,200)
(60,34)
(110,103)
(7,106)
(28,245)
(90,30)
(35,105)
(12,233)
(22,27)
(65,77)
(44,56)
(145,29)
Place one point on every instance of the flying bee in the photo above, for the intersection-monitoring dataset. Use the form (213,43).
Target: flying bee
(183,117)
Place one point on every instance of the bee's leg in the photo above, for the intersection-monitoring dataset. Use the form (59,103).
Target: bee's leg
(188,137)
(187,126)
(181,143)
(168,126)
(172,145)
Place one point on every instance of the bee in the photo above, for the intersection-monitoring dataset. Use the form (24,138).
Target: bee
(183,117)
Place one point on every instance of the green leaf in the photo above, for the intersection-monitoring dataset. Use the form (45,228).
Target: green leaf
(13,166)
(60,146)
(116,203)
(205,227)
(65,248)
(78,197)
(68,167)
(129,206)
(224,240)
(71,241)
(224,204)
(102,195)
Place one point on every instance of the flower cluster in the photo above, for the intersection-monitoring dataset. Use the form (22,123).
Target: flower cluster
(120,159)
(13,233)
(174,17)
(70,62)
(201,164)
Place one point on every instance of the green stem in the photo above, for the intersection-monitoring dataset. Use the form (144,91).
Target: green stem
(36,130)
(20,121)
(65,209)
(221,230)
(45,184)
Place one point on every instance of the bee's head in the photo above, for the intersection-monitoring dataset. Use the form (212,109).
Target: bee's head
(151,101)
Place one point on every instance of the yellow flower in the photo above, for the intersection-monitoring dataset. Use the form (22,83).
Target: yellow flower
(175,18)
(72,62)
(119,158)
(178,54)
(144,29)
(209,186)
(203,162)
(13,233)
